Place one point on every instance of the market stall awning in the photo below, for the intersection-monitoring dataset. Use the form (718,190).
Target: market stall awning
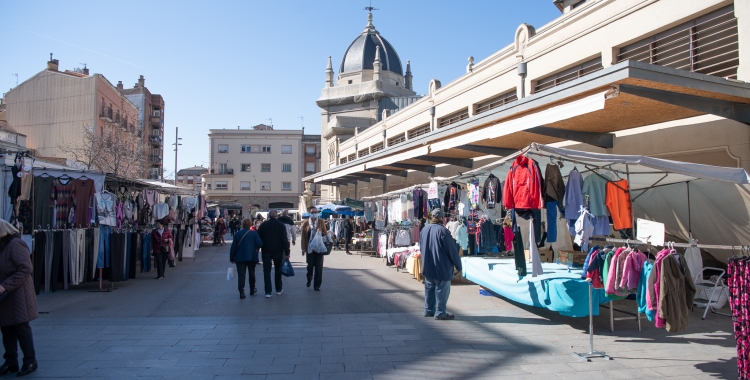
(588,109)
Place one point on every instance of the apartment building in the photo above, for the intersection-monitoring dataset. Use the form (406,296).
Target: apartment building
(649,77)
(151,122)
(259,168)
(191,177)
(310,161)
(54,108)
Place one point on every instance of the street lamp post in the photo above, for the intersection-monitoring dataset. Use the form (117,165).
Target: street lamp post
(176,146)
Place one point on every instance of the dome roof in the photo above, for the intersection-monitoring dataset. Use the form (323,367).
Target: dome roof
(361,53)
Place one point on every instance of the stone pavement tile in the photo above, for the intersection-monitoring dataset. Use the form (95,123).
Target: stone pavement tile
(387,344)
(300,346)
(230,355)
(369,367)
(621,373)
(297,360)
(343,345)
(200,362)
(322,339)
(47,372)
(547,368)
(224,370)
(90,364)
(276,353)
(219,347)
(249,361)
(303,334)
(198,342)
(401,374)
(240,377)
(321,352)
(343,333)
(145,363)
(157,342)
(366,351)
(278,340)
(390,358)
(344,359)
(126,349)
(421,365)
(685,370)
(426,342)
(268,369)
(185,355)
(115,373)
(236,341)
(409,350)
(293,376)
(363,338)
(317,368)
(594,365)
(166,349)
(59,364)
(345,375)
(403,337)
(113,356)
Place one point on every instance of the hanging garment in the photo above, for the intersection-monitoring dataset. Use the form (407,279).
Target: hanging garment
(641,294)
(83,201)
(43,205)
(487,237)
(551,208)
(584,229)
(573,195)
(632,271)
(432,190)
(738,273)
(594,185)
(508,236)
(618,203)
(608,275)
(676,295)
(523,185)
(519,255)
(491,192)
(161,210)
(62,196)
(451,198)
(554,186)
(473,193)
(536,261)
(105,207)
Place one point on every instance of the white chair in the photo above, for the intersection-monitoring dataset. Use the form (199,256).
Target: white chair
(702,298)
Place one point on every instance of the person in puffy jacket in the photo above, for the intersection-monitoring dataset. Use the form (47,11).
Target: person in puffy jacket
(244,253)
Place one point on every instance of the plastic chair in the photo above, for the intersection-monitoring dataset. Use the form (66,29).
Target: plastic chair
(703,285)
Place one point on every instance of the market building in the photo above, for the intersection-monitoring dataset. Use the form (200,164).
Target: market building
(258,168)
(657,78)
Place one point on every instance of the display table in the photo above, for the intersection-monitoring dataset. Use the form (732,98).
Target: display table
(555,290)
(363,245)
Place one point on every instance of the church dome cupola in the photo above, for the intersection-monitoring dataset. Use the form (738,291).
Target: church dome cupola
(361,53)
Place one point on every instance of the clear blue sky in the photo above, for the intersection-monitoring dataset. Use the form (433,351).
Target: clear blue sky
(223,64)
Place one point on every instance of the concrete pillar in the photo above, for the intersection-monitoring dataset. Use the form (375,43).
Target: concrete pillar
(609,56)
(742,12)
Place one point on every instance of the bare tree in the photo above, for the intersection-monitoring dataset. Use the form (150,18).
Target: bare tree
(114,149)
(87,153)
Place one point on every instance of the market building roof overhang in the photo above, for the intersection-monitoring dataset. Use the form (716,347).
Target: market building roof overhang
(589,109)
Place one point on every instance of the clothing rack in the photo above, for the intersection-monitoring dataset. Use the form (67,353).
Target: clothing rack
(592,353)
(680,245)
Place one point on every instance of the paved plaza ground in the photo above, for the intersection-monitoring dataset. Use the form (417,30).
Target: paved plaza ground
(366,323)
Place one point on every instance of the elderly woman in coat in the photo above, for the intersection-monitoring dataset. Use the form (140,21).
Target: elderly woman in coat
(17,301)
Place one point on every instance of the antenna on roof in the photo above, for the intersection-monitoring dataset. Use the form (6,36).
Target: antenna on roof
(84,64)
(16,74)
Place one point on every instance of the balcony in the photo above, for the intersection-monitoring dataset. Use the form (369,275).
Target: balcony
(156,140)
(156,120)
(221,172)
(106,113)
(154,159)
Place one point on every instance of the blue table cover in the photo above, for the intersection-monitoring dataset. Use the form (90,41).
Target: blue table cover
(555,290)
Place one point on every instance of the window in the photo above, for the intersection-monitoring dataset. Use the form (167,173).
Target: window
(208,186)
(179,178)
(501,100)
(265,186)
(247,149)
(350,81)
(419,131)
(396,140)
(568,75)
(351,157)
(221,185)
(222,168)
(286,168)
(265,149)
(310,149)
(245,185)
(245,167)
(309,167)
(342,160)
(265,167)
(223,148)
(376,148)
(454,118)
(189,177)
(364,152)
(286,186)
(285,149)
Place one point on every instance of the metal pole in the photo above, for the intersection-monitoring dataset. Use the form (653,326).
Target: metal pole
(176,145)
(592,353)
(630,196)
(690,228)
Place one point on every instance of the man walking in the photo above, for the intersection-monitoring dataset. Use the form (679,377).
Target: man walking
(439,256)
(291,229)
(313,225)
(275,247)
(348,233)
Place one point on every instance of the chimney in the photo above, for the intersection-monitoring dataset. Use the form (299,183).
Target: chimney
(52,64)
(86,70)
(141,82)
(119,84)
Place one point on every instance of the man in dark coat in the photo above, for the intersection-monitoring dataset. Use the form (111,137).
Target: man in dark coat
(439,257)
(244,252)
(17,301)
(275,247)
(348,233)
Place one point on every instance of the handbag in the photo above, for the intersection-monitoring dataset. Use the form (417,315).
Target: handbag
(403,238)
(287,269)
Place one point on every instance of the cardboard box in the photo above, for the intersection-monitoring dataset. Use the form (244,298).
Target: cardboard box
(576,258)
(546,256)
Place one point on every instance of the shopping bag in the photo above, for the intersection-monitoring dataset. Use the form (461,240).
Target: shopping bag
(317,244)
(231,272)
(287,269)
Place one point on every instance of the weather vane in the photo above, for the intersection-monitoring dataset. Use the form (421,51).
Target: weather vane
(370,8)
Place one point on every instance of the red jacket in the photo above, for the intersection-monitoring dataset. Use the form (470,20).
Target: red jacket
(158,241)
(523,186)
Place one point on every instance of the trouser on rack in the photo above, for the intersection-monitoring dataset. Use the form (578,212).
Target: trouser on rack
(276,259)
(103,258)
(315,268)
(146,254)
(18,335)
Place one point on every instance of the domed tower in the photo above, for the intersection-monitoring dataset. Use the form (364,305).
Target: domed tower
(370,77)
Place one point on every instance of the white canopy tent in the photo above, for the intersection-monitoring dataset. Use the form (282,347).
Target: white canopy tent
(711,202)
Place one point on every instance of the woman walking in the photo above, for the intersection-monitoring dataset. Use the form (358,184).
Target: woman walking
(17,301)
(221,227)
(244,253)
(161,242)
(313,225)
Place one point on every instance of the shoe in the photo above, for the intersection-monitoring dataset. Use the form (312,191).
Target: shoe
(445,317)
(6,369)
(27,369)
(429,314)
(159,277)
(268,295)
(252,292)
(242,295)
(308,283)
(317,289)
(279,292)
(348,253)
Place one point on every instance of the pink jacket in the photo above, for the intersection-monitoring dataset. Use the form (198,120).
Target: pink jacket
(610,286)
(632,272)
(652,294)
